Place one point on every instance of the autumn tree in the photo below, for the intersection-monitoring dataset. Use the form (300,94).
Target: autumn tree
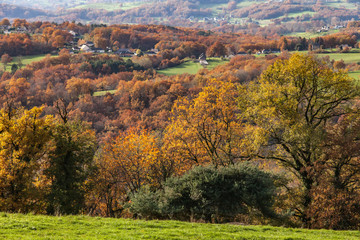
(283,44)
(294,103)
(339,64)
(58,42)
(20,23)
(19,61)
(24,137)
(337,196)
(5,22)
(5,60)
(216,50)
(206,129)
(79,86)
(126,164)
(121,37)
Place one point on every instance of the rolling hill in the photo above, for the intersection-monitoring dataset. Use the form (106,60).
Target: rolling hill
(284,16)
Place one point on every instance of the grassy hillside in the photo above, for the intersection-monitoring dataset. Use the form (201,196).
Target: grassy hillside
(347,57)
(352,57)
(313,34)
(24,59)
(185,13)
(191,67)
(110,6)
(17,226)
(355,74)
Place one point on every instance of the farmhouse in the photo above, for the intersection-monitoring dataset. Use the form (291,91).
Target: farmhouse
(124,52)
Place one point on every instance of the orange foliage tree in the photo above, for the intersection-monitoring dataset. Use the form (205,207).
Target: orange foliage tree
(206,129)
(127,162)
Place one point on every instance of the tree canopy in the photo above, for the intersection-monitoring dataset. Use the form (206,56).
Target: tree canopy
(294,103)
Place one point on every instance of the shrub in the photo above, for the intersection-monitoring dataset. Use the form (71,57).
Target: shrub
(210,194)
(145,203)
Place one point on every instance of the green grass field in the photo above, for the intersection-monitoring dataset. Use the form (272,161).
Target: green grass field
(340,4)
(24,59)
(102,93)
(216,7)
(313,34)
(110,6)
(352,57)
(347,57)
(247,3)
(191,67)
(17,226)
(298,14)
(355,75)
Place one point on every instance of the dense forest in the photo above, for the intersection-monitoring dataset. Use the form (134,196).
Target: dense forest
(260,139)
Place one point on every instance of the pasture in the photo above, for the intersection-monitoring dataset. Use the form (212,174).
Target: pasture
(18,226)
(191,67)
(110,6)
(351,57)
(310,34)
(24,60)
(103,93)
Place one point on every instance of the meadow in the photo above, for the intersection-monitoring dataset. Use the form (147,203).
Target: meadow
(24,59)
(341,3)
(351,57)
(18,226)
(191,67)
(103,93)
(313,34)
(188,66)
(110,6)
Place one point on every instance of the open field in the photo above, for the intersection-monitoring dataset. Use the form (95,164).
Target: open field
(24,59)
(313,34)
(347,57)
(299,14)
(216,7)
(355,75)
(18,226)
(247,3)
(186,67)
(191,67)
(265,22)
(110,6)
(102,93)
(340,4)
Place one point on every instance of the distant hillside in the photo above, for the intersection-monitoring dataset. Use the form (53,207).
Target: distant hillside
(65,4)
(281,16)
(13,11)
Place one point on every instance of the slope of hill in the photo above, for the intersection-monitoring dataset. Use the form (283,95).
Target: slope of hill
(15,11)
(284,16)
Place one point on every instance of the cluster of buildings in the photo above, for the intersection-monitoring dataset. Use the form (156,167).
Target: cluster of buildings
(89,47)
(8,29)
(327,28)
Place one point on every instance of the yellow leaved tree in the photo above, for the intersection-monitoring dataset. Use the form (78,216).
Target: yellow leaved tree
(127,162)
(207,129)
(24,138)
(296,103)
